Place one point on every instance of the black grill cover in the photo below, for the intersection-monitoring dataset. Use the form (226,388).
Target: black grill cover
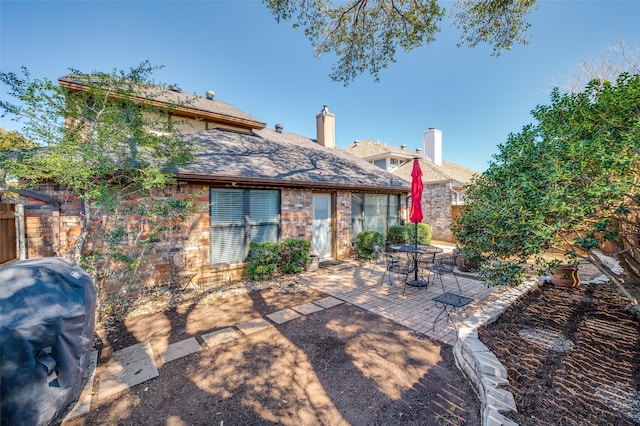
(47,309)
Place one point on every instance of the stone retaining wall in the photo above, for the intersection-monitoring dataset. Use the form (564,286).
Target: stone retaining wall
(481,366)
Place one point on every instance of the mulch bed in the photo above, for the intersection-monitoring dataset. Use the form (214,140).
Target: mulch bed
(573,356)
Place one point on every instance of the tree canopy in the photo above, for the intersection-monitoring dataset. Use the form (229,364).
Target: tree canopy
(12,140)
(96,138)
(570,180)
(365,34)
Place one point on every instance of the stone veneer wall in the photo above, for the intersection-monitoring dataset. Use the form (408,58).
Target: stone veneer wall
(436,204)
(343,225)
(296,214)
(296,206)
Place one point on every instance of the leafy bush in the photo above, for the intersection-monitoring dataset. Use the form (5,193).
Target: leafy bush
(424,233)
(405,234)
(267,259)
(263,260)
(294,255)
(398,234)
(503,273)
(365,242)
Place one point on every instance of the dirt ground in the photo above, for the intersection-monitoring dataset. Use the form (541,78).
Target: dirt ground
(573,357)
(339,366)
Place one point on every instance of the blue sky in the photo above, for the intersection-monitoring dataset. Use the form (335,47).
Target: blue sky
(238,50)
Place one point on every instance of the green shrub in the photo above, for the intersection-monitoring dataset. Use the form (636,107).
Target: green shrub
(424,233)
(503,273)
(263,260)
(365,242)
(294,255)
(398,234)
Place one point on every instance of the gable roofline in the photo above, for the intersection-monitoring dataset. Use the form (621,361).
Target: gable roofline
(183,105)
(432,173)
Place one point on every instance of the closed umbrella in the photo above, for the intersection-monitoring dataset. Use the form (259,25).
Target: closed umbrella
(415,214)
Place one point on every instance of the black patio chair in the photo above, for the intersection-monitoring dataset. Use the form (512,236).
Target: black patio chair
(444,265)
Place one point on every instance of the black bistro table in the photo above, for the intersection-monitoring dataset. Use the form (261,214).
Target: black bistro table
(416,251)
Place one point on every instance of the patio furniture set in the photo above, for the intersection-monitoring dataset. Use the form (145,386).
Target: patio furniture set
(420,266)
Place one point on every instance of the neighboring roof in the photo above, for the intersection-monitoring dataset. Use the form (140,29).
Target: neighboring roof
(448,171)
(282,159)
(372,150)
(186,104)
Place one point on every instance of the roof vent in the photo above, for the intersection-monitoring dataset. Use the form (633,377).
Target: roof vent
(175,88)
(210,94)
(403,146)
(356,142)
(279,128)
(418,150)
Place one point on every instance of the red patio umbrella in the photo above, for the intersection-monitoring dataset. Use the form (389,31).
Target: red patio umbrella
(415,215)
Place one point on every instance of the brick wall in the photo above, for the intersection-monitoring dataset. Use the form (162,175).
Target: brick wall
(187,237)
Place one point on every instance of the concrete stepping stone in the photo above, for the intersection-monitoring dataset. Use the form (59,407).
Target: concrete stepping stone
(328,302)
(221,336)
(549,340)
(126,368)
(180,349)
(254,326)
(308,308)
(283,316)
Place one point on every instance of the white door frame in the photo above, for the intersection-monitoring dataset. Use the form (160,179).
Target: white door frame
(322,229)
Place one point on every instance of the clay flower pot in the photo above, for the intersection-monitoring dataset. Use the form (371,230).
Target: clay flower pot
(463,264)
(565,276)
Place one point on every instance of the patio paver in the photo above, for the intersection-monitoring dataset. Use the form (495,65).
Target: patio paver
(415,309)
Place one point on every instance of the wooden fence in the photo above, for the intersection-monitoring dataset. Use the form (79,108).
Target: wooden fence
(8,237)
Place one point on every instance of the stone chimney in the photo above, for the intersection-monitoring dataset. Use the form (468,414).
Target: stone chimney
(432,143)
(326,128)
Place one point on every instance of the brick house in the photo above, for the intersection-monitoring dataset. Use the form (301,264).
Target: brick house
(249,183)
(444,181)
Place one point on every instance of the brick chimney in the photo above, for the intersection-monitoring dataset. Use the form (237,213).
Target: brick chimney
(326,128)
(432,143)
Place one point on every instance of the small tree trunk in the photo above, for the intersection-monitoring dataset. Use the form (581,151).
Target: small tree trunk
(633,301)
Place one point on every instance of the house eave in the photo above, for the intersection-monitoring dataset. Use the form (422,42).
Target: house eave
(243,181)
(385,155)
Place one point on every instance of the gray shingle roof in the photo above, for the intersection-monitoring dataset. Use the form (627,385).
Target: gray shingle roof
(430,172)
(284,159)
(187,104)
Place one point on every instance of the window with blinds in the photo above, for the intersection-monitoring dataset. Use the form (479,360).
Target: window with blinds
(240,216)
